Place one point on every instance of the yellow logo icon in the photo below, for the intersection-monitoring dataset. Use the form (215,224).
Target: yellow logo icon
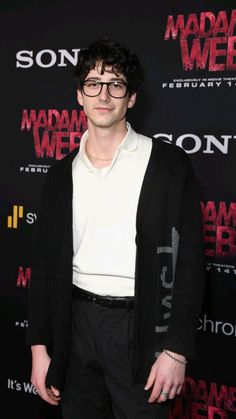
(12,220)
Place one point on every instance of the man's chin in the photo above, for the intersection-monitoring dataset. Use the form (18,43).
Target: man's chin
(107,123)
(104,124)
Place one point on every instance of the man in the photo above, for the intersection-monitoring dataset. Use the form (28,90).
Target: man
(118,277)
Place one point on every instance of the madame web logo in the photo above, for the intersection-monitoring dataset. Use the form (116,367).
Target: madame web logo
(55,133)
(201,399)
(219,219)
(206,40)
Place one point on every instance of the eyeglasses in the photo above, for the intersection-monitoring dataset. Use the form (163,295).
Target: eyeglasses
(117,89)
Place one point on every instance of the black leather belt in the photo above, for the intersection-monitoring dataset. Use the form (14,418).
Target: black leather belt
(104,300)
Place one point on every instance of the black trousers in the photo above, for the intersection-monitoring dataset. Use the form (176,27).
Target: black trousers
(98,383)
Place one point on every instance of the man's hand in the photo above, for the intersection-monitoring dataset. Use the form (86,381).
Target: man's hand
(40,365)
(166,377)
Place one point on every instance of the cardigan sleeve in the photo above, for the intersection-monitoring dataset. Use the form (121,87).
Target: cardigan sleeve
(188,287)
(39,330)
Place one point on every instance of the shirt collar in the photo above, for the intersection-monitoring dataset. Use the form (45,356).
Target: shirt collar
(129,143)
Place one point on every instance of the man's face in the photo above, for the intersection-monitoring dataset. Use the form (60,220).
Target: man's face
(104,111)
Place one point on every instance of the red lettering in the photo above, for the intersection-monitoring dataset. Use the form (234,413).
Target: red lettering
(73,143)
(221,25)
(223,239)
(201,391)
(219,229)
(219,46)
(214,53)
(195,407)
(206,18)
(225,242)
(53,120)
(232,399)
(210,215)
(28,120)
(46,146)
(52,145)
(53,114)
(213,402)
(215,412)
(179,411)
(231,64)
(225,217)
(191,27)
(60,144)
(23,278)
(208,25)
(209,238)
(197,57)
(64,121)
(42,121)
(188,387)
(173,29)
(217,398)
(209,212)
(78,124)
(232,23)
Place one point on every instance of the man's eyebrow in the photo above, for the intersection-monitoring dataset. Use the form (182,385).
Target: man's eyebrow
(117,79)
(111,80)
(93,78)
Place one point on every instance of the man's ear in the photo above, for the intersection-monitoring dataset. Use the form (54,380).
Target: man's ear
(80,97)
(132,100)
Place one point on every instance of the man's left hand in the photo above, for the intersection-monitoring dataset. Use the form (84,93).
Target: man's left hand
(166,377)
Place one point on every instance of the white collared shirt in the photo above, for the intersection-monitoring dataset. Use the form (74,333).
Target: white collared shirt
(104,216)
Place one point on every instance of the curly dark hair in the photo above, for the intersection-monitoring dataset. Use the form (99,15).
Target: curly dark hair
(110,54)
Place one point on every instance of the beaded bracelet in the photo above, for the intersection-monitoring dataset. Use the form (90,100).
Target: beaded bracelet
(175,359)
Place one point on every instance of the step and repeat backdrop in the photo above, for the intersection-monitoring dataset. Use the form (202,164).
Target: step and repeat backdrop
(188,51)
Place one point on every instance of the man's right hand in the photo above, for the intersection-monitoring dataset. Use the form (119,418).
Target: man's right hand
(40,365)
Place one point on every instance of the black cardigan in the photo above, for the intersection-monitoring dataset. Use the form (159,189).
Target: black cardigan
(169,272)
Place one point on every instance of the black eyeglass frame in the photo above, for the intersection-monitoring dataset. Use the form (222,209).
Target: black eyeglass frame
(108,83)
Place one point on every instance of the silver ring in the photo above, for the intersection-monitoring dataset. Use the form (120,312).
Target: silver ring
(164,394)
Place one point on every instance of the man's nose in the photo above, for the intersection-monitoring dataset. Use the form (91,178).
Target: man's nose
(104,95)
